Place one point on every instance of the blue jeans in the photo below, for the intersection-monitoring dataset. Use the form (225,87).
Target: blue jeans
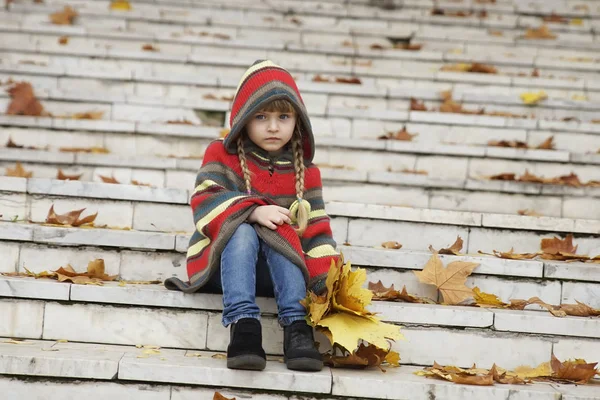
(249,265)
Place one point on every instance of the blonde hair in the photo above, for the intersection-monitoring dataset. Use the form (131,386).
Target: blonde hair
(301,216)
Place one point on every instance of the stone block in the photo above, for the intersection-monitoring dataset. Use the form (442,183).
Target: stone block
(163,218)
(117,325)
(541,322)
(33,288)
(21,318)
(38,258)
(205,370)
(588,293)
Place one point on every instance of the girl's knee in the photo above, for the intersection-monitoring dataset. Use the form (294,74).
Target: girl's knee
(245,235)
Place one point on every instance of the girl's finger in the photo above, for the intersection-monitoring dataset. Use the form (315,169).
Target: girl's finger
(284,211)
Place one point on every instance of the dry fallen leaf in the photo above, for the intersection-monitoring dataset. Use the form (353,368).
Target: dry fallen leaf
(219,396)
(150,47)
(391,245)
(557,245)
(362,357)
(577,371)
(511,255)
(450,281)
(64,17)
(108,179)
(380,292)
(120,5)
(93,150)
(402,135)
(529,213)
(63,40)
(18,171)
(454,249)
(24,101)
(63,177)
(533,98)
(543,32)
(71,218)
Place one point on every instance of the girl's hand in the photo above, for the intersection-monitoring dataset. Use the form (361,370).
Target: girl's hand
(270,216)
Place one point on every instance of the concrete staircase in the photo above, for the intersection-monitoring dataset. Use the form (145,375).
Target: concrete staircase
(372,190)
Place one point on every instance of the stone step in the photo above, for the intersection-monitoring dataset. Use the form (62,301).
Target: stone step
(566,204)
(208,375)
(199,327)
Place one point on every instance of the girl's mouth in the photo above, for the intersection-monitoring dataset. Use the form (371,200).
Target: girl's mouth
(272,139)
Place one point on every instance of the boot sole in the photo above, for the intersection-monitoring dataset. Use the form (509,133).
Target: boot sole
(247,361)
(304,364)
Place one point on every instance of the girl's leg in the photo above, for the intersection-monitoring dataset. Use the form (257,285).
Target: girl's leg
(289,286)
(238,275)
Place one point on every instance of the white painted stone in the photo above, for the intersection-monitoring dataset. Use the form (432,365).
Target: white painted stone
(209,371)
(182,243)
(122,160)
(21,389)
(186,393)
(376,194)
(106,324)
(163,218)
(413,236)
(572,271)
(21,318)
(443,168)
(13,184)
(403,214)
(141,266)
(218,336)
(104,237)
(507,289)
(33,288)
(13,206)
(362,160)
(524,222)
(428,314)
(117,214)
(402,384)
(16,231)
(338,174)
(10,259)
(424,346)
(540,322)
(39,155)
(42,258)
(408,179)
(579,392)
(588,293)
(487,240)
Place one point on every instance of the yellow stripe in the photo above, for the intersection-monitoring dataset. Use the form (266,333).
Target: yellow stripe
(322,251)
(205,185)
(266,159)
(254,68)
(216,211)
(317,214)
(197,248)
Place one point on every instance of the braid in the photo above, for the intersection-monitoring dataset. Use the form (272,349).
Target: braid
(244,164)
(302,216)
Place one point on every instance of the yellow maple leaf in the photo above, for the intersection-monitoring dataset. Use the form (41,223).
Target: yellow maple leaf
(347,329)
(120,5)
(450,281)
(350,295)
(486,299)
(527,372)
(532,98)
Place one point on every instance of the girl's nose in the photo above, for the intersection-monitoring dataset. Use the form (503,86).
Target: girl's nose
(273,126)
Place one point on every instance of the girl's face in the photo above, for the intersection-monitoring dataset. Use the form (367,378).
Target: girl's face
(271,130)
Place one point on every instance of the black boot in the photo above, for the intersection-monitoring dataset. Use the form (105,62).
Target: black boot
(245,345)
(300,352)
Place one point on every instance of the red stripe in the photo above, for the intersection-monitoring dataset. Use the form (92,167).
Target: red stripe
(255,82)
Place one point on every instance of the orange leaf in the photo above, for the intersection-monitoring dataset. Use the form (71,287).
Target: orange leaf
(64,17)
(71,218)
(557,245)
(577,371)
(511,255)
(391,245)
(24,101)
(543,32)
(108,179)
(18,171)
(94,150)
(150,47)
(547,144)
(61,175)
(63,40)
(454,249)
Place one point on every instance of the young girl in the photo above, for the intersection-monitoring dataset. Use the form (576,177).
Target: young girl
(261,227)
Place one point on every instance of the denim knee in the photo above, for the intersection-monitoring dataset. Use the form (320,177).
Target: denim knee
(244,239)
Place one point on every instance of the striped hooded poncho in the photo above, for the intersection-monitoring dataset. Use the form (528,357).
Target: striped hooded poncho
(220,202)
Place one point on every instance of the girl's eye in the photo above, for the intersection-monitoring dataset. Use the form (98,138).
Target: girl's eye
(259,116)
(284,116)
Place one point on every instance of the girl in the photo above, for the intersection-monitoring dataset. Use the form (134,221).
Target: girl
(261,227)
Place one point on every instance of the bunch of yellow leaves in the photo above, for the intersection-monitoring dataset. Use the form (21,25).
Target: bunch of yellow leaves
(340,314)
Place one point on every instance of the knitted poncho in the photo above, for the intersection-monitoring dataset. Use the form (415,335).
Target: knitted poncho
(220,202)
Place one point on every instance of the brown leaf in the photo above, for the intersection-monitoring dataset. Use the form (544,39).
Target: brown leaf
(64,17)
(417,105)
(63,40)
(137,183)
(529,213)
(380,292)
(402,135)
(555,18)
(511,255)
(528,177)
(219,396)
(557,245)
(24,101)
(150,47)
(554,310)
(61,176)
(71,218)
(391,245)
(95,115)
(503,177)
(354,80)
(577,371)
(515,144)
(10,144)
(454,249)
(108,179)
(18,171)
(580,310)
(180,122)
(571,180)
(450,281)
(543,32)
(547,144)
(504,378)
(94,150)
(483,69)
(415,171)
